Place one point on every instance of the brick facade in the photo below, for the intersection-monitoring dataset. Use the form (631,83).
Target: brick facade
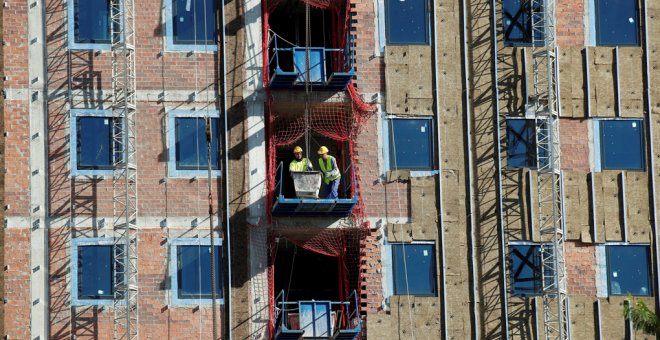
(580,268)
(574,142)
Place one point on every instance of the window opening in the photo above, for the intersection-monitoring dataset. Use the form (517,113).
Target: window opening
(92,21)
(193,22)
(95,267)
(191,148)
(414,269)
(617,22)
(517,23)
(94,142)
(193,268)
(407,22)
(525,270)
(410,144)
(622,144)
(628,270)
(521,143)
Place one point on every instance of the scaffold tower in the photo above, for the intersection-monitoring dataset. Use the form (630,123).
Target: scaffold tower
(125,208)
(550,214)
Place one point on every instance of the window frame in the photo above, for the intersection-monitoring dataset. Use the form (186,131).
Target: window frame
(536,245)
(393,268)
(388,138)
(76,243)
(172,170)
(427,26)
(649,269)
(595,26)
(174,271)
(73,141)
(170,46)
(71,34)
(599,157)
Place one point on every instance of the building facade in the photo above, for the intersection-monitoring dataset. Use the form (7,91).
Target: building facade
(431,111)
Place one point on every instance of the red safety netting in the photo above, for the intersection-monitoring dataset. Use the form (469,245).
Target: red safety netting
(339,118)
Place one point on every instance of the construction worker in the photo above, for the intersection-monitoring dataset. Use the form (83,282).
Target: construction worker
(331,173)
(299,163)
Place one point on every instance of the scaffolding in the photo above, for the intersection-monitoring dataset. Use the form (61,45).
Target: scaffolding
(550,215)
(124,182)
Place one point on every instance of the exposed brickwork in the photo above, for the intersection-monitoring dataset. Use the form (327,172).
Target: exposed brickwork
(371,266)
(17,283)
(574,143)
(580,268)
(158,320)
(570,22)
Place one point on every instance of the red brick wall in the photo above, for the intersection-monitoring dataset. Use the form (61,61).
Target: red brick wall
(570,22)
(574,144)
(581,268)
(17,283)
(158,320)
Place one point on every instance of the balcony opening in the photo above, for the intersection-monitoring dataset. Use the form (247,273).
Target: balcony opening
(308,301)
(328,50)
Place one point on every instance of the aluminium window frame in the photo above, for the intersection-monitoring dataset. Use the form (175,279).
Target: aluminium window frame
(76,243)
(387,143)
(649,266)
(172,170)
(71,34)
(598,155)
(594,27)
(170,46)
(510,269)
(174,271)
(73,142)
(506,143)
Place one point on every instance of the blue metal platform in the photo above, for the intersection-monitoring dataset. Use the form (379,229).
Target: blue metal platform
(319,58)
(319,320)
(340,207)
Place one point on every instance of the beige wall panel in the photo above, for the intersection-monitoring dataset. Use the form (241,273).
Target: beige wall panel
(576,204)
(571,79)
(381,326)
(399,232)
(583,321)
(424,208)
(511,81)
(396,79)
(637,207)
(453,205)
(631,82)
(521,318)
(515,205)
(610,203)
(602,82)
(612,322)
(419,106)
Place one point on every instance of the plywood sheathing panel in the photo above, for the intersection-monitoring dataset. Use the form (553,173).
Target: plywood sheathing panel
(572,79)
(577,206)
(511,80)
(515,205)
(608,205)
(583,319)
(409,80)
(424,208)
(637,207)
(631,82)
(602,82)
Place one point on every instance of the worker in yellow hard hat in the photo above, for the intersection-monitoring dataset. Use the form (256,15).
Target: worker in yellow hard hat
(331,174)
(299,163)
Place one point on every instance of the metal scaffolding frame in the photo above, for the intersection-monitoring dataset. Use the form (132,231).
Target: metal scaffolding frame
(544,103)
(125,208)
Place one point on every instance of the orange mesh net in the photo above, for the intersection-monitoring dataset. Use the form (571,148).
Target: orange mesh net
(338,117)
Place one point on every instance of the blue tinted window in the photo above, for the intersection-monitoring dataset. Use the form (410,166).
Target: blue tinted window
(95,272)
(92,21)
(407,22)
(517,22)
(525,270)
(414,269)
(628,270)
(194,272)
(622,144)
(191,149)
(193,21)
(94,142)
(521,143)
(617,22)
(411,144)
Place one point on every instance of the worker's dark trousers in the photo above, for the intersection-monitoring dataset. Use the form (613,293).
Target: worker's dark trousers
(331,189)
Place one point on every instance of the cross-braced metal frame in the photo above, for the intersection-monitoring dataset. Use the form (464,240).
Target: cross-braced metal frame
(125,205)
(550,214)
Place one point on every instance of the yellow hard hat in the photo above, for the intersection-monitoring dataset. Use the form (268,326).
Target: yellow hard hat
(323,150)
(297,149)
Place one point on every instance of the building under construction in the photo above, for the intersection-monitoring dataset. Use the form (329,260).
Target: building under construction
(497,173)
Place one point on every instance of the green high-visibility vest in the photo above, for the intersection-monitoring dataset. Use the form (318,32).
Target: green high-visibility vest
(298,165)
(328,173)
